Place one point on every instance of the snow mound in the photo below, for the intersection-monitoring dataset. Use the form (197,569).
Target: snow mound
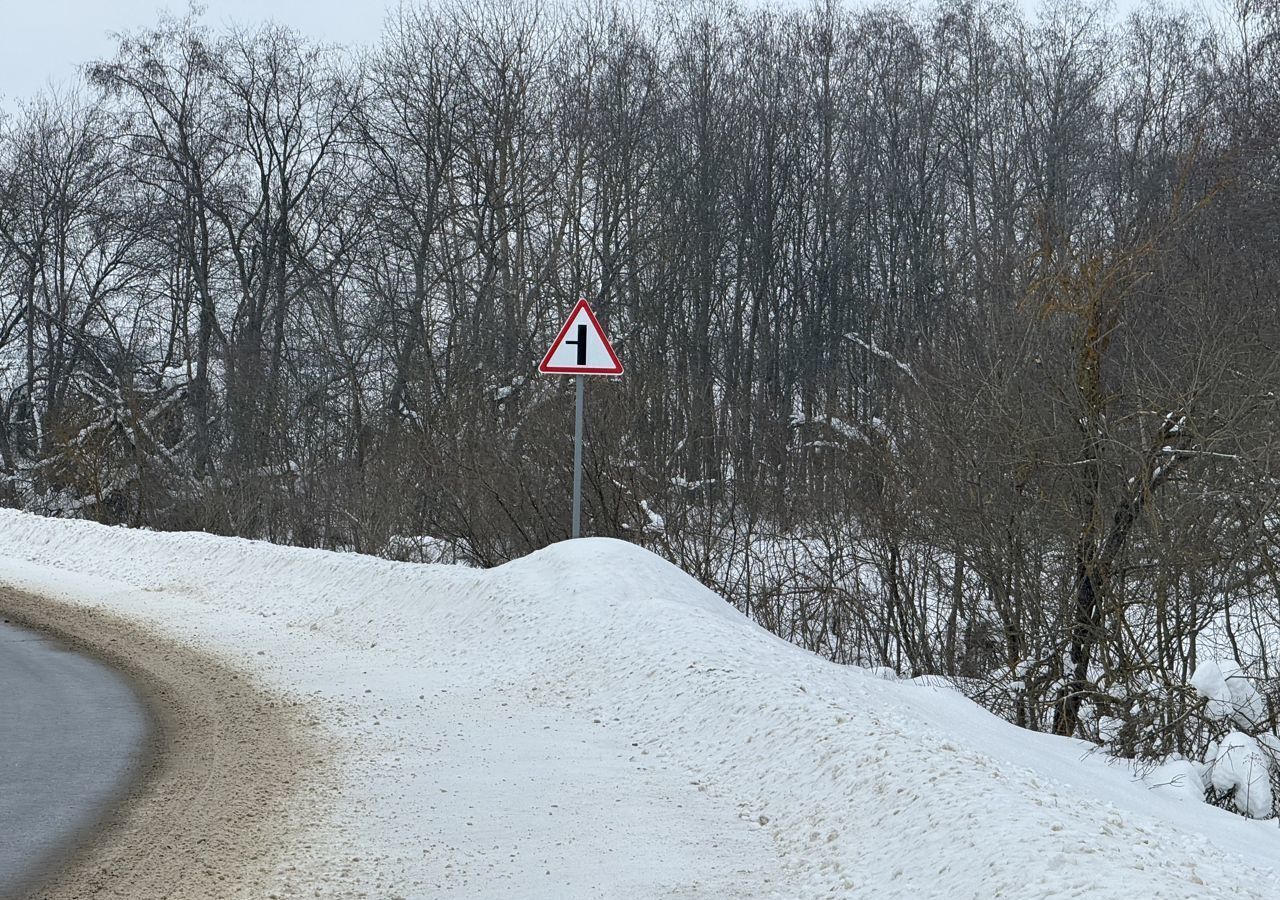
(589,721)
(1180,779)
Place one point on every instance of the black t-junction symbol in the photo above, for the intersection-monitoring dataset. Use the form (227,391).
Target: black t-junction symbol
(581,343)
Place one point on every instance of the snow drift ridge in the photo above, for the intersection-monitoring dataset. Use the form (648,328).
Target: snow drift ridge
(864,788)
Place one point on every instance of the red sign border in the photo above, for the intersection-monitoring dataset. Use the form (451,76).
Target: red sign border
(546,369)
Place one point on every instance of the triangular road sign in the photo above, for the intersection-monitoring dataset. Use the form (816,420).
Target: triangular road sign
(581,347)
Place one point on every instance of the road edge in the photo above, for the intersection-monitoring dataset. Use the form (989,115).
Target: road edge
(230,776)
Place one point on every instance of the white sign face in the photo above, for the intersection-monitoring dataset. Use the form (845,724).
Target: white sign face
(581,347)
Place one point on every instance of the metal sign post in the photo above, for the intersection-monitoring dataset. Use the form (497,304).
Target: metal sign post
(577,459)
(589,353)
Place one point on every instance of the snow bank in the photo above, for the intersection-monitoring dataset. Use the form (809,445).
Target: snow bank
(1179,778)
(590,722)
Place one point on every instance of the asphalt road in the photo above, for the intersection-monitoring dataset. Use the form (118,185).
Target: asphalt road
(72,732)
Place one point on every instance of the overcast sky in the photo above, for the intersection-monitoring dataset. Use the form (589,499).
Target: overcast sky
(43,41)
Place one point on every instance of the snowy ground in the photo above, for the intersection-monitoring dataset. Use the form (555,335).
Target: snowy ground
(589,722)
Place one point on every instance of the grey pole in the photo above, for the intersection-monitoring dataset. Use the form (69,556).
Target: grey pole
(577,463)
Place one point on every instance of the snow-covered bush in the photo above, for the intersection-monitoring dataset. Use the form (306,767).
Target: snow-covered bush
(1229,694)
(1139,716)
(1240,770)
(1242,767)
(119,451)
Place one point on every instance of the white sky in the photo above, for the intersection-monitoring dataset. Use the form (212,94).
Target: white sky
(43,41)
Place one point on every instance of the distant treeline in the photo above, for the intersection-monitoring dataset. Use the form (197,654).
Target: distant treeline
(951,334)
